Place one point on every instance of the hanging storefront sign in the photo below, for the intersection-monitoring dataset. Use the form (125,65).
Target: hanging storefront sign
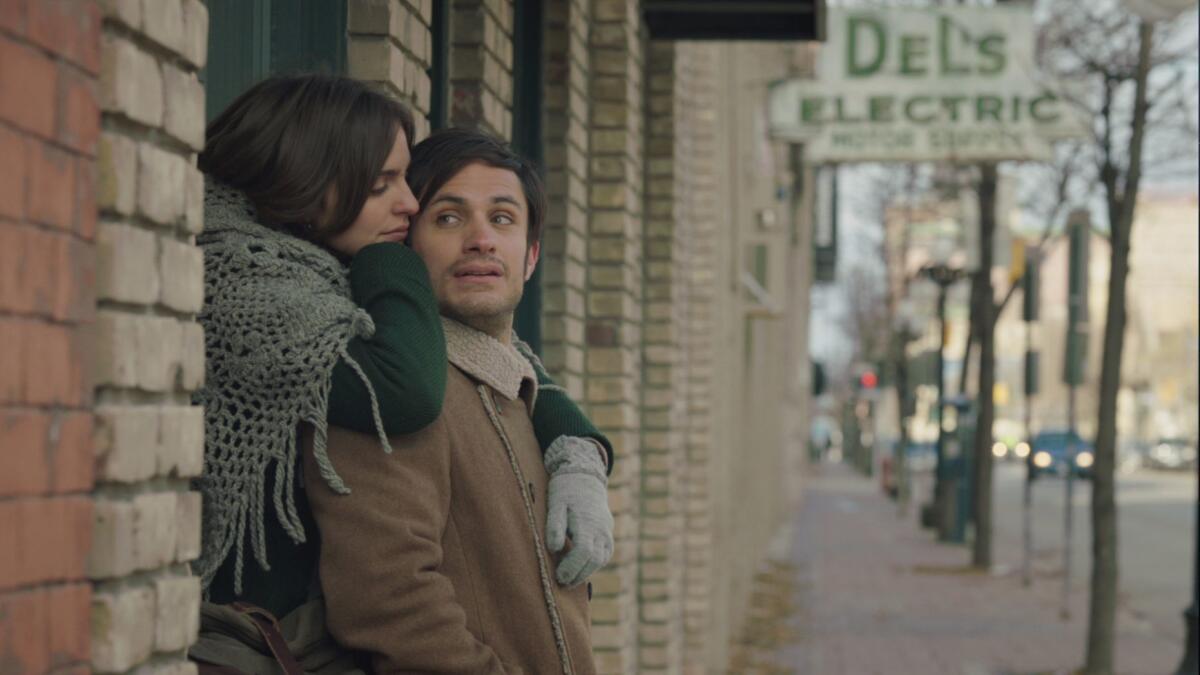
(825,226)
(924,84)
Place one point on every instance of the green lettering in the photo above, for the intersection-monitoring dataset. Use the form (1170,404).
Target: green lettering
(1016,109)
(839,112)
(880,108)
(853,67)
(912,116)
(988,107)
(810,110)
(991,48)
(951,103)
(1037,103)
(945,38)
(912,48)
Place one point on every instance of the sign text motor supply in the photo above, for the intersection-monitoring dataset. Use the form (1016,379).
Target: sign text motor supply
(923,84)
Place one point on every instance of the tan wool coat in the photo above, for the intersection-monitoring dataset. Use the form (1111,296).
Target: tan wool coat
(436,560)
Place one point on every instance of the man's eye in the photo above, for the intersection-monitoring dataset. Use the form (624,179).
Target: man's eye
(446,219)
(503,219)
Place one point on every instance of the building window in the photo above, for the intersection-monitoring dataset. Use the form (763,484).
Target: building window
(251,39)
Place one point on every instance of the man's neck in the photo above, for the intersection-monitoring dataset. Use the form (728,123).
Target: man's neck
(498,327)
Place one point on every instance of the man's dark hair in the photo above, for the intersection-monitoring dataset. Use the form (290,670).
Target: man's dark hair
(440,157)
(288,139)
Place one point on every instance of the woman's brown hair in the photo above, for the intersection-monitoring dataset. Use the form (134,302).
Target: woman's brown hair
(290,139)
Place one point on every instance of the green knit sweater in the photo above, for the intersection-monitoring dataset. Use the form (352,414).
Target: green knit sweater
(406,362)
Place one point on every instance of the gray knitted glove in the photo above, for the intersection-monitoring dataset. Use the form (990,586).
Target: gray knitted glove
(578,503)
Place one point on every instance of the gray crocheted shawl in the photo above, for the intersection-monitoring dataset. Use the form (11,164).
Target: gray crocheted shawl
(277,316)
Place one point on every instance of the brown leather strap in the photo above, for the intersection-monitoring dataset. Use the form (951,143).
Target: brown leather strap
(268,627)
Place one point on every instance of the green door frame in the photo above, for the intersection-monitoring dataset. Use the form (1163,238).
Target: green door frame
(528,28)
(251,39)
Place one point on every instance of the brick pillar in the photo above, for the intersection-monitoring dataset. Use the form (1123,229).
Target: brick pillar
(564,241)
(614,296)
(390,43)
(696,162)
(149,350)
(664,391)
(481,61)
(49,62)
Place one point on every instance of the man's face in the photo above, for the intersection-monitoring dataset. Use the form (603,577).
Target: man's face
(471,235)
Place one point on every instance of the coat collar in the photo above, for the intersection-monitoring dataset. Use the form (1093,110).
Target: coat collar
(491,362)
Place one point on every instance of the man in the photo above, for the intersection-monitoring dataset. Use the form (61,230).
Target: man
(436,562)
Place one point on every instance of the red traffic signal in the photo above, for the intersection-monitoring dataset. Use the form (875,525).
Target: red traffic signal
(868,380)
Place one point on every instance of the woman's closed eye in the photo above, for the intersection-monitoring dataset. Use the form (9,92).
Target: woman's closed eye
(379,187)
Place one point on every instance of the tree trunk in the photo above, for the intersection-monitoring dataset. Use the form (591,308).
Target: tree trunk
(985,326)
(1102,614)
(1122,200)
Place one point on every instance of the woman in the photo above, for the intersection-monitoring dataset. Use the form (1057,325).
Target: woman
(315,314)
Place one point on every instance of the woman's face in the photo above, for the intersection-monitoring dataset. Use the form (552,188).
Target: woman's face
(389,207)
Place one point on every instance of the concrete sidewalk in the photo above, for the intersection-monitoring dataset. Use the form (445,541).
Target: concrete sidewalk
(863,591)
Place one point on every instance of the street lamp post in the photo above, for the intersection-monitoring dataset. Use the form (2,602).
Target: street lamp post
(944,276)
(1191,660)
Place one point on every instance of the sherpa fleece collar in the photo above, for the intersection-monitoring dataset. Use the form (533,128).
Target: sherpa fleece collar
(490,361)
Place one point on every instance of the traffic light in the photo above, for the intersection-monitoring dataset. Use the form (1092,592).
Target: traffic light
(1079,234)
(1032,285)
(868,380)
(818,378)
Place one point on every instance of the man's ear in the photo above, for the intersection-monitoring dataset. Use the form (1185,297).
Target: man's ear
(531,258)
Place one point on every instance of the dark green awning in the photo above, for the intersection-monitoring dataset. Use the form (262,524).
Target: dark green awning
(735,19)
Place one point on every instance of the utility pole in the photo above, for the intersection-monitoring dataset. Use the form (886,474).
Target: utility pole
(1030,315)
(985,324)
(1079,230)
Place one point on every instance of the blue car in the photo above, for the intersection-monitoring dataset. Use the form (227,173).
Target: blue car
(1050,453)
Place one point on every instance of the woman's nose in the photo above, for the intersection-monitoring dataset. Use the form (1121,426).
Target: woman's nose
(406,202)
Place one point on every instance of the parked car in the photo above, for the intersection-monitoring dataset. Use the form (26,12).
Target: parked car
(1173,454)
(1007,435)
(1051,449)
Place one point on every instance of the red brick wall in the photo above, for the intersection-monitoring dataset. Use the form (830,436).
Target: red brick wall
(49,121)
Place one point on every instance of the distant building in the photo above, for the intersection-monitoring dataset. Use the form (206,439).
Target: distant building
(1159,365)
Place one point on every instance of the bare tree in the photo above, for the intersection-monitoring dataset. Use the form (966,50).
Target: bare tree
(865,322)
(1130,78)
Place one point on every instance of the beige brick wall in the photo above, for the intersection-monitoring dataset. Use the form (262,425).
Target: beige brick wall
(390,43)
(664,356)
(149,351)
(481,62)
(644,319)
(696,185)
(566,70)
(614,303)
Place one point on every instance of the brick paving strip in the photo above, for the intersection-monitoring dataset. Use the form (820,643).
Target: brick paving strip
(864,591)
